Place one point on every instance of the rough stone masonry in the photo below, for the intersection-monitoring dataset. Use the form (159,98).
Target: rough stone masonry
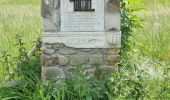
(80,37)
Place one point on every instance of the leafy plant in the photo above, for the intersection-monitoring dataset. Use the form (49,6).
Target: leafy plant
(25,64)
(7,63)
(71,88)
(129,21)
(20,65)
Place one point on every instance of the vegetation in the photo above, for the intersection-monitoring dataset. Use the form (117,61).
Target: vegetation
(143,72)
(18,17)
(153,40)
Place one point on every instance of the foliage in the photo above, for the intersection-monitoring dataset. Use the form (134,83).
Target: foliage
(7,63)
(21,62)
(147,79)
(128,81)
(153,40)
(77,87)
(25,64)
(137,83)
(129,21)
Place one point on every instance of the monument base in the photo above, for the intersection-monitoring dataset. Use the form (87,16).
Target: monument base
(63,52)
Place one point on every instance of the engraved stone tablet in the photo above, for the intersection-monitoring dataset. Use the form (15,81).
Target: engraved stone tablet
(91,20)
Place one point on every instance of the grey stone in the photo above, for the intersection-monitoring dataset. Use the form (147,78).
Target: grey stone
(94,51)
(107,70)
(47,45)
(70,70)
(62,60)
(52,73)
(89,73)
(113,59)
(49,25)
(50,11)
(110,51)
(67,50)
(96,59)
(53,46)
(113,6)
(84,39)
(79,59)
(112,15)
(55,61)
(56,46)
(46,9)
(85,50)
(49,51)
(87,66)
(46,60)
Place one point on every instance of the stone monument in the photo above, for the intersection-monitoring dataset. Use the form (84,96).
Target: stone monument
(80,33)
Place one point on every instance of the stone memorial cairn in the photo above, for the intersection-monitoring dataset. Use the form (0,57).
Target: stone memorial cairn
(80,33)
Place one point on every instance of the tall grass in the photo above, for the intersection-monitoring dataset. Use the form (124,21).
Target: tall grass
(20,2)
(24,20)
(18,17)
(154,39)
(157,2)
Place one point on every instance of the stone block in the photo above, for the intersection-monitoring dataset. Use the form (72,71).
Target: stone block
(113,59)
(87,40)
(54,62)
(112,15)
(46,60)
(87,66)
(107,70)
(46,8)
(49,60)
(57,46)
(47,45)
(110,51)
(53,46)
(49,25)
(78,59)
(67,50)
(52,73)
(49,51)
(96,59)
(94,51)
(85,50)
(89,73)
(50,12)
(70,71)
(62,60)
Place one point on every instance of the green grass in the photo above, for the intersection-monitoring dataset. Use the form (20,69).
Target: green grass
(20,2)
(154,39)
(18,17)
(157,2)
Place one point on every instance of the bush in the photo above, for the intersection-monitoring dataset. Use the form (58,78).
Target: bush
(15,67)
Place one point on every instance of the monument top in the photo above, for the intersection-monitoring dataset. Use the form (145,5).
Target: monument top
(81,20)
